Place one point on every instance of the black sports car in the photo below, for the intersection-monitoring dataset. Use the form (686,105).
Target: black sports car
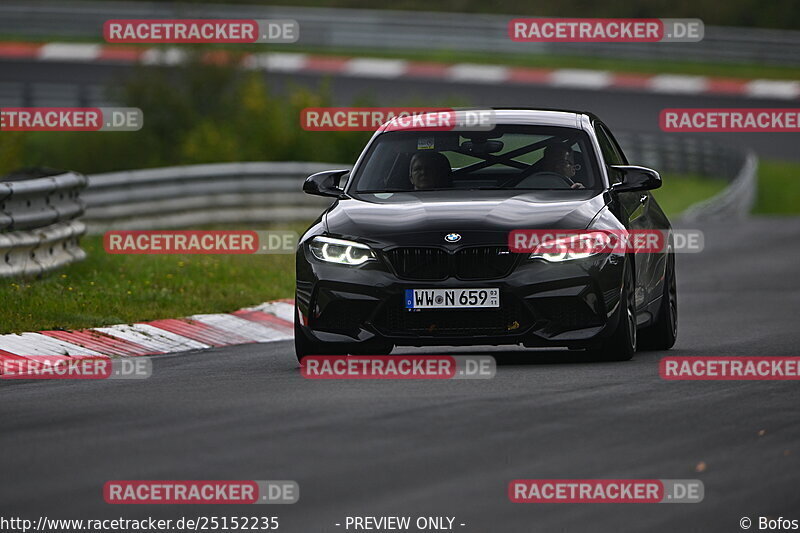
(415,251)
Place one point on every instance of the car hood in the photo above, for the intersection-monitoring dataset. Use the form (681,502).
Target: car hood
(480,217)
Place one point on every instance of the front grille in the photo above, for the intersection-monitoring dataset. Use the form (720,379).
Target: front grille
(511,318)
(420,263)
(485,262)
(479,262)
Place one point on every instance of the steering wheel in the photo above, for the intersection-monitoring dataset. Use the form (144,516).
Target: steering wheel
(556,174)
(548,174)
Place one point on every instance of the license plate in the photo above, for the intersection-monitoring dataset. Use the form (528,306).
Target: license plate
(452,298)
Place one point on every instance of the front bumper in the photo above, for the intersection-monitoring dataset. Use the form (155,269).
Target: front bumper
(574,303)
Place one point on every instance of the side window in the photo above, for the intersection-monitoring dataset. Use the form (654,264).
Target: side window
(611,151)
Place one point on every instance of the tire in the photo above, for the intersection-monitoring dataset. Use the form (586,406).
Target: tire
(662,334)
(373,349)
(622,344)
(304,346)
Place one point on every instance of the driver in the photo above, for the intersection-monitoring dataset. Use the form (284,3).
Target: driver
(430,170)
(560,159)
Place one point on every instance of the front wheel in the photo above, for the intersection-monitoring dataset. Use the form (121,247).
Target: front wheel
(304,346)
(662,334)
(622,344)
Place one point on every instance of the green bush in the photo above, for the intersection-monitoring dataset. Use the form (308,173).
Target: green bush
(197,113)
(778,188)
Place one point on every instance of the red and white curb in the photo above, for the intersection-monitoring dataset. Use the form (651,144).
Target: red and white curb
(397,68)
(268,322)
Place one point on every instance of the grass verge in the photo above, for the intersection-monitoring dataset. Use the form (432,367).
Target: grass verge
(679,191)
(778,188)
(118,289)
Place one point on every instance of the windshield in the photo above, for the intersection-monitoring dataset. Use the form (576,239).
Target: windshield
(506,158)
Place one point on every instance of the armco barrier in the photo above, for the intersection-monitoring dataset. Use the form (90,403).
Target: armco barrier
(734,202)
(185,196)
(34,252)
(687,155)
(38,202)
(38,227)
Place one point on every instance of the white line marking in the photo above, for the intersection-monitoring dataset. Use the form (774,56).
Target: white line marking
(168,56)
(478,73)
(153,338)
(281,310)
(277,62)
(69,52)
(38,344)
(773,89)
(376,68)
(256,331)
(581,78)
(675,83)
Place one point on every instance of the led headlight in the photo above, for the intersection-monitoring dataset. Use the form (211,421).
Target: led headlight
(340,251)
(579,246)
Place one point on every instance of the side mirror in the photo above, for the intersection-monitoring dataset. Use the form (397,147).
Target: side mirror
(325,183)
(636,178)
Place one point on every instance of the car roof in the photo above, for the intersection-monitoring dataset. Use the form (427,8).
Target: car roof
(525,116)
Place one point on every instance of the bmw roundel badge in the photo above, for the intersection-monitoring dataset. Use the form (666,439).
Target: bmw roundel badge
(452,237)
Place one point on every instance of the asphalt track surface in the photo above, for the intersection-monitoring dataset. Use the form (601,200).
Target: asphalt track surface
(446,448)
(622,110)
(413,448)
